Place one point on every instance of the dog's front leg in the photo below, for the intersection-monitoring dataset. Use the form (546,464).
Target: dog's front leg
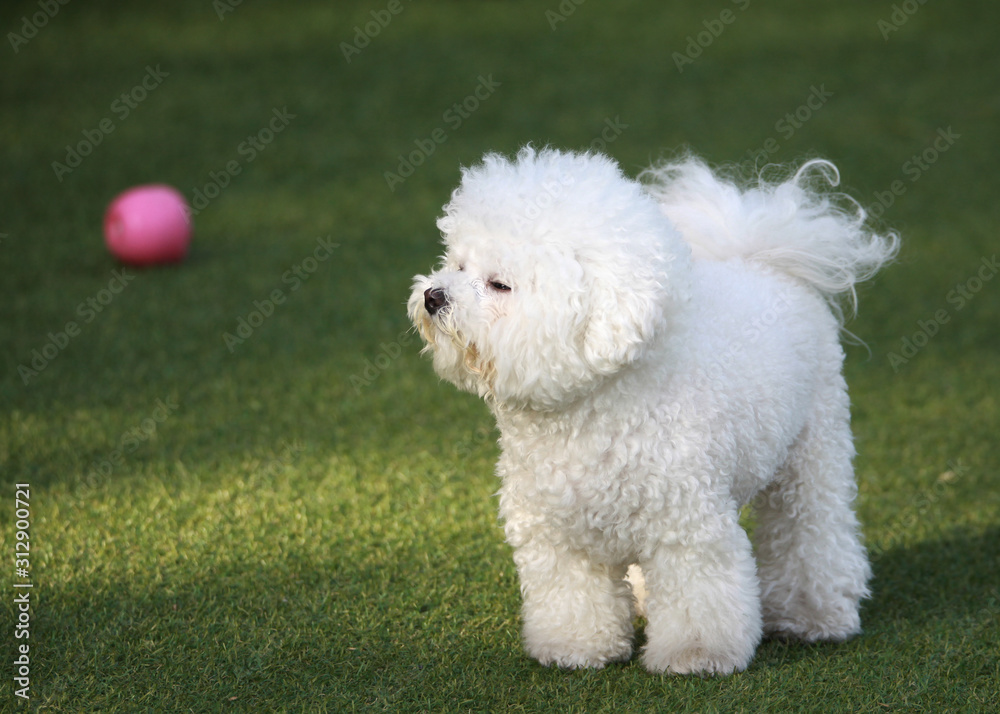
(577,612)
(703,611)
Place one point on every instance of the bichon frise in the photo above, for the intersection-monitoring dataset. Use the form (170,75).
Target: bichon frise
(657,354)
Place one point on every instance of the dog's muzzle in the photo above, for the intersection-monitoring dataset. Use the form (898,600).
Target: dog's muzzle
(434,300)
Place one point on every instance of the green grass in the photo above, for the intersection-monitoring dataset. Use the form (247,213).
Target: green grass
(289,538)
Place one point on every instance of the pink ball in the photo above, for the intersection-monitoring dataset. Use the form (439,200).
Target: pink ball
(147,225)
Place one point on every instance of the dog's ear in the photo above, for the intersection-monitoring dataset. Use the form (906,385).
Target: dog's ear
(623,318)
(633,295)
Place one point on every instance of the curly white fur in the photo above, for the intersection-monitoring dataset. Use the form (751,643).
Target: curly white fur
(656,356)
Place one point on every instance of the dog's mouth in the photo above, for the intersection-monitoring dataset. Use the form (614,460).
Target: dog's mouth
(483,368)
(436,321)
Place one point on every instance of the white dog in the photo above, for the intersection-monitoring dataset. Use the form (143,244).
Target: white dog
(658,354)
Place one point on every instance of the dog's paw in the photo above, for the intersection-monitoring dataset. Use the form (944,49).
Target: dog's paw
(822,615)
(835,625)
(581,655)
(692,660)
(582,660)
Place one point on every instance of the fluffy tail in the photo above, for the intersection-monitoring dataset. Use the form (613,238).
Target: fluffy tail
(795,225)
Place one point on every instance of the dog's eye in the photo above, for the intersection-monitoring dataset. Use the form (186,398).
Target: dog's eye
(497,285)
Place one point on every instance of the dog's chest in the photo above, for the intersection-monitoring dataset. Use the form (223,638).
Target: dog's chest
(591,493)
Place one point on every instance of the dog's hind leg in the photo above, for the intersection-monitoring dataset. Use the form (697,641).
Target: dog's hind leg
(812,564)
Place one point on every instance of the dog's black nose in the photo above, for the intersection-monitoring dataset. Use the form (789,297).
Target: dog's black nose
(434,300)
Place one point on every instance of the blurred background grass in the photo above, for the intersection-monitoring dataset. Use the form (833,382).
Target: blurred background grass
(291,539)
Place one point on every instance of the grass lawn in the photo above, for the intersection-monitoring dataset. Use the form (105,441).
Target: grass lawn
(249,493)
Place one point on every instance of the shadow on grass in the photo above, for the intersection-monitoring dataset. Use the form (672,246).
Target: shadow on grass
(247,636)
(949,586)
(953,581)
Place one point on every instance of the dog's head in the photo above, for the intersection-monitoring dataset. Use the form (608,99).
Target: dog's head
(558,272)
